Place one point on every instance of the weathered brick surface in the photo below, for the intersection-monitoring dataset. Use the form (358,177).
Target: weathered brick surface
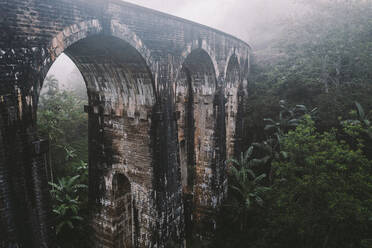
(163,106)
(232,83)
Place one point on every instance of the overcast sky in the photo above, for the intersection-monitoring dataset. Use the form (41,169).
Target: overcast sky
(250,20)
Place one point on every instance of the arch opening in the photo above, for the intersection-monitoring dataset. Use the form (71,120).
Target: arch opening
(121,96)
(195,90)
(232,85)
(196,105)
(61,118)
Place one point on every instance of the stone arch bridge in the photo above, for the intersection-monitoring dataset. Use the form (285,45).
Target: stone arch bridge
(163,113)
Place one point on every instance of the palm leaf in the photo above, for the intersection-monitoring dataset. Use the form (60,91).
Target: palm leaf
(360,110)
(259,178)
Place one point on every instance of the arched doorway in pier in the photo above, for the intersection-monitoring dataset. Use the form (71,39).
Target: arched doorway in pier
(122,211)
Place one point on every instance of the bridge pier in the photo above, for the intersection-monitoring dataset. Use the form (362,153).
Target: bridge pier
(25,216)
(200,104)
(167,174)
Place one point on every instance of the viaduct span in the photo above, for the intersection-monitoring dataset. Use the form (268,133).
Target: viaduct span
(163,115)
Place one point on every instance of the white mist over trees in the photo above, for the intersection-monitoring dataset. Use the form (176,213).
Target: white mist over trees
(68,76)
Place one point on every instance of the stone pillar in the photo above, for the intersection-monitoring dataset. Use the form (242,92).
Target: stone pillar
(23,216)
(200,102)
(9,237)
(240,123)
(167,175)
(219,184)
(42,216)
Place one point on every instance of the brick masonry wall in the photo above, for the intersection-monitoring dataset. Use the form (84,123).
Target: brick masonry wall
(131,58)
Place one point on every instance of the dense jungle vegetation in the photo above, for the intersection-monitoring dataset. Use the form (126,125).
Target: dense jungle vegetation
(304,177)
(61,119)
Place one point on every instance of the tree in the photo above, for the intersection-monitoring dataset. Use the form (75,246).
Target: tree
(62,121)
(327,191)
(322,59)
(65,193)
(321,186)
(67,208)
(247,187)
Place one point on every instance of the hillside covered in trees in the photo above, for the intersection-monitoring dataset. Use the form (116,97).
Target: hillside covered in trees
(304,178)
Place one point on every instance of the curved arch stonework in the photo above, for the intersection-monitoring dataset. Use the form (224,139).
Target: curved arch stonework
(139,75)
(71,34)
(122,31)
(190,47)
(232,53)
(75,32)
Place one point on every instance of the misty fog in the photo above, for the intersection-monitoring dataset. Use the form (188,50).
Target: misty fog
(254,21)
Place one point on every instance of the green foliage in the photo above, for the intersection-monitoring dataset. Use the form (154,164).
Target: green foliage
(288,118)
(319,169)
(247,186)
(321,186)
(67,204)
(70,208)
(61,119)
(327,191)
(322,58)
(358,131)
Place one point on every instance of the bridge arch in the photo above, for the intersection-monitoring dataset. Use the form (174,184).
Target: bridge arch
(200,45)
(194,91)
(78,31)
(197,106)
(233,55)
(232,85)
(115,65)
(122,31)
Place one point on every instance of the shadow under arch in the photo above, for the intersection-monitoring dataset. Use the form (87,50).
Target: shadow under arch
(200,117)
(121,97)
